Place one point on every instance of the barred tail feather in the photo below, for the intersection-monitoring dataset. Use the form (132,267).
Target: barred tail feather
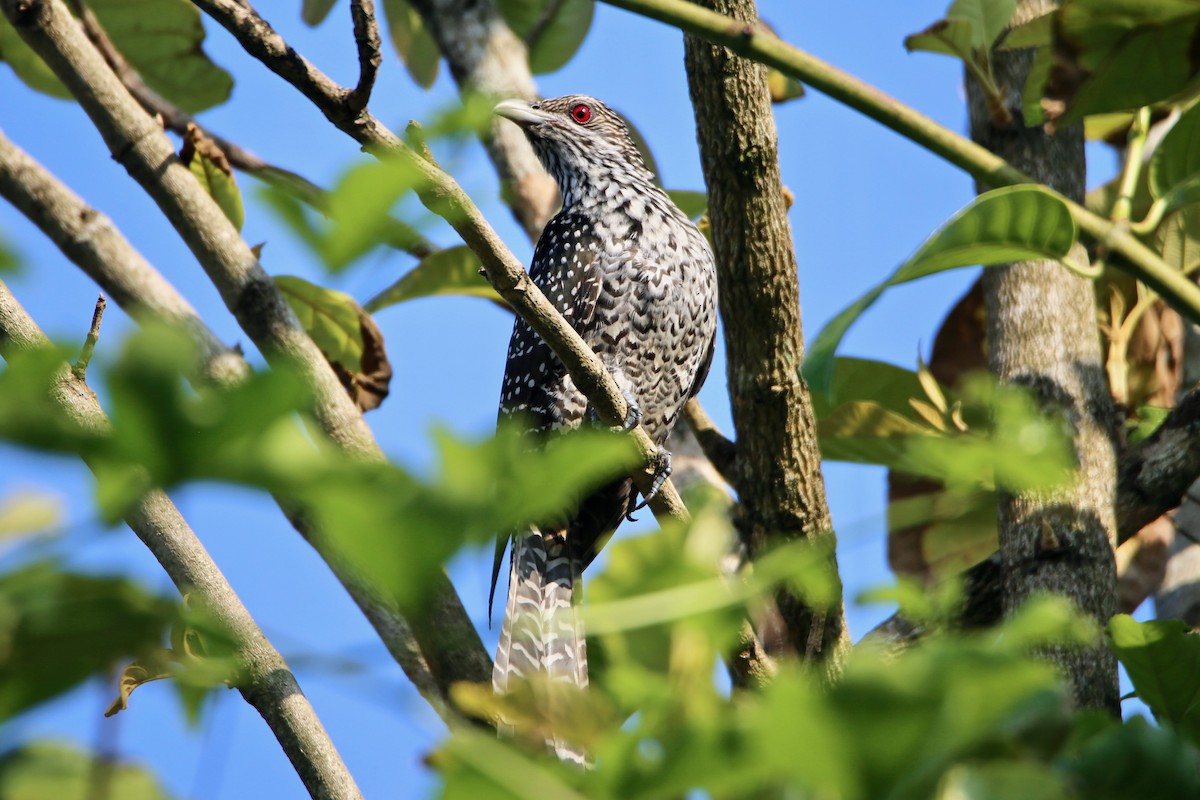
(542,638)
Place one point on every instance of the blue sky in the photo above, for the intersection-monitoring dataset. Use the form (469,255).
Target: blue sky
(865,199)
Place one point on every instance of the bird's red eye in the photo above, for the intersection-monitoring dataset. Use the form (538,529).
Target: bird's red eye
(581,113)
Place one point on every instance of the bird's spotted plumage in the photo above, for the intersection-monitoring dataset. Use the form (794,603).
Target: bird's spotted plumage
(636,279)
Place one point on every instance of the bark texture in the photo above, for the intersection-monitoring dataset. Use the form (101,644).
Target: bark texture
(1042,335)
(781,492)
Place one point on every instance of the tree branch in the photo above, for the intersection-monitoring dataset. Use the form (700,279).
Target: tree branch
(442,195)
(485,56)
(781,492)
(366,40)
(92,242)
(753,41)
(720,451)
(1154,475)
(265,680)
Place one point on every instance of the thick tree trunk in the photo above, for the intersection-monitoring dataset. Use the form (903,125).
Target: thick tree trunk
(1042,334)
(781,493)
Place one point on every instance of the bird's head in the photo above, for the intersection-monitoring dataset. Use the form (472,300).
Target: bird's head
(579,140)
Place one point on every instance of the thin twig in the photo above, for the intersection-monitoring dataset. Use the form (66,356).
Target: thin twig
(718,449)
(79,369)
(366,40)
(266,681)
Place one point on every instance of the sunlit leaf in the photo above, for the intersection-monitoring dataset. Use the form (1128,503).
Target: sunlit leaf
(1144,422)
(1162,658)
(952,37)
(413,41)
(205,159)
(969,29)
(27,512)
(51,770)
(59,628)
(346,335)
(1003,781)
(454,271)
(1004,225)
(553,30)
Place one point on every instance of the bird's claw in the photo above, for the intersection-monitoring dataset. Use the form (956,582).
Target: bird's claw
(633,415)
(661,473)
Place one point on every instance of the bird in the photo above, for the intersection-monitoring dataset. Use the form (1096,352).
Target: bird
(636,279)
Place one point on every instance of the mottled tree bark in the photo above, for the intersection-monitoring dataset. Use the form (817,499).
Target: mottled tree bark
(781,493)
(1042,335)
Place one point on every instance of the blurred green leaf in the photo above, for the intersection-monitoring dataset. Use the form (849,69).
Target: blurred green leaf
(1033,33)
(1132,760)
(783,87)
(413,42)
(1001,226)
(553,30)
(357,213)
(952,37)
(1116,55)
(26,64)
(1003,781)
(1144,423)
(59,628)
(8,259)
(454,270)
(50,770)
(1162,658)
(208,163)
(1177,156)
(314,12)
(25,512)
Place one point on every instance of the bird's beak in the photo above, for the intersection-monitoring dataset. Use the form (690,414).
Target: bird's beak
(519,112)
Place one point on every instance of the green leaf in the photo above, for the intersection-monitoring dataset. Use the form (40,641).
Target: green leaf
(413,42)
(1136,759)
(28,65)
(162,39)
(1014,223)
(952,37)
(357,211)
(553,30)
(330,317)
(1117,55)
(1144,423)
(314,12)
(1163,659)
(59,628)
(1174,173)
(454,271)
(783,87)
(1003,781)
(50,770)
(692,203)
(1034,33)
(8,260)
(970,28)
(204,158)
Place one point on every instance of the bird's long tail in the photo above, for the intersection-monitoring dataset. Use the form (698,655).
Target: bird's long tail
(542,638)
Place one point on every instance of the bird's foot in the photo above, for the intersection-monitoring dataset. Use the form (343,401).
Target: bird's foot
(662,471)
(633,416)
